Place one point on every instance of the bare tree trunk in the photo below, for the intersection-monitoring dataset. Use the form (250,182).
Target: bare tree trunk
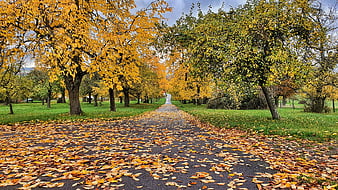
(198,99)
(317,104)
(112,100)
(284,101)
(74,101)
(146,99)
(90,98)
(272,107)
(9,103)
(276,99)
(49,97)
(138,98)
(73,82)
(11,108)
(126,97)
(95,100)
(73,87)
(63,95)
(48,102)
(333,106)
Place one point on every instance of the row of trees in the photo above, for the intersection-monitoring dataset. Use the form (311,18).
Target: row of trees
(279,46)
(71,39)
(35,84)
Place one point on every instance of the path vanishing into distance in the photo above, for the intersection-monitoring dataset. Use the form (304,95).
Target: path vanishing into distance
(158,150)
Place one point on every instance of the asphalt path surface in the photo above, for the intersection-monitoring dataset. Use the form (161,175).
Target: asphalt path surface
(160,150)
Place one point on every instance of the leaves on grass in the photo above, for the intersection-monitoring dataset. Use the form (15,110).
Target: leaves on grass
(302,164)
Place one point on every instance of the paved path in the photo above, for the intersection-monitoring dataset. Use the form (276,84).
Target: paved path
(194,158)
(160,150)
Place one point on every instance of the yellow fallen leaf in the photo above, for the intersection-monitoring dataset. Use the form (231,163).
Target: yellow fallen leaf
(207,181)
(255,180)
(171,184)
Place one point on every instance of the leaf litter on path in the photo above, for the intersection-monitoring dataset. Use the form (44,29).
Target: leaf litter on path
(158,150)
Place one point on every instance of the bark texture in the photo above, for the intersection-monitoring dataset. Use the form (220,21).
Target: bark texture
(271,104)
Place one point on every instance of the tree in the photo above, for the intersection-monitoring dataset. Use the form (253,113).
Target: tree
(324,62)
(174,43)
(43,88)
(127,43)
(13,52)
(101,90)
(152,73)
(16,88)
(87,87)
(72,37)
(254,43)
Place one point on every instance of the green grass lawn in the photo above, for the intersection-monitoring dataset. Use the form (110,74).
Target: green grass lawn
(294,122)
(33,112)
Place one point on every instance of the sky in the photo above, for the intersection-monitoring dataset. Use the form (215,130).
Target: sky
(183,6)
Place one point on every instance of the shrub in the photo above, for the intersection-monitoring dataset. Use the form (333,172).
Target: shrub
(225,102)
(253,102)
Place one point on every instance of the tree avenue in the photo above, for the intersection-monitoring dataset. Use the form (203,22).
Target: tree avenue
(276,48)
(263,43)
(73,38)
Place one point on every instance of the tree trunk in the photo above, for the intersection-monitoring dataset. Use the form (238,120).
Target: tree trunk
(333,106)
(11,108)
(48,102)
(272,107)
(146,99)
(198,99)
(112,100)
(317,104)
(194,101)
(95,100)
(49,97)
(90,98)
(9,103)
(284,101)
(63,95)
(73,87)
(138,98)
(276,101)
(126,97)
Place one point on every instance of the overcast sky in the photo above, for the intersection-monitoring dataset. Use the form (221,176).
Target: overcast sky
(183,6)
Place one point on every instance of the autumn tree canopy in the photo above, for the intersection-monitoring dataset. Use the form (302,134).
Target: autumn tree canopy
(260,42)
(73,38)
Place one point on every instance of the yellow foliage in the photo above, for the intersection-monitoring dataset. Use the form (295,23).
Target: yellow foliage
(71,37)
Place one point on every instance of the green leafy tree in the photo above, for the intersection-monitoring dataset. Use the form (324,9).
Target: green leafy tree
(254,43)
(149,85)
(324,53)
(88,85)
(187,82)
(43,88)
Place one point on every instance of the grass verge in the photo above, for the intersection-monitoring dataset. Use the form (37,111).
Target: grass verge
(35,112)
(294,122)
